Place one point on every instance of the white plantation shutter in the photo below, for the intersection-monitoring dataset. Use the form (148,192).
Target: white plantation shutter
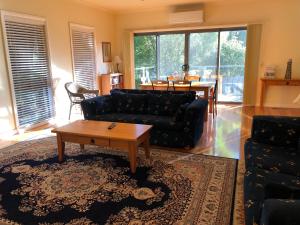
(83,49)
(28,61)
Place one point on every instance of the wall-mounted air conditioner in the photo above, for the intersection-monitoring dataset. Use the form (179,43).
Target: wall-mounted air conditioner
(195,16)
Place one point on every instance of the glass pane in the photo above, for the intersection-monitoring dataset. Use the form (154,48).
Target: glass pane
(145,59)
(171,54)
(203,54)
(232,65)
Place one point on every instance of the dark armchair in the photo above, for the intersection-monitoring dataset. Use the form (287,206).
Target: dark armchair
(272,178)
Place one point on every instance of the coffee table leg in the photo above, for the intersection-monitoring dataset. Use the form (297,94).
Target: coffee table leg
(81,146)
(146,147)
(60,147)
(132,156)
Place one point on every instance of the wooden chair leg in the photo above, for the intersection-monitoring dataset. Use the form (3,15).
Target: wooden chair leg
(213,110)
(216,107)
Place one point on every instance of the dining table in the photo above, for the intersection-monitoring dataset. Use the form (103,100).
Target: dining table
(206,87)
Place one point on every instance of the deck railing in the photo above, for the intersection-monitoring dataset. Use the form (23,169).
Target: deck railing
(231,80)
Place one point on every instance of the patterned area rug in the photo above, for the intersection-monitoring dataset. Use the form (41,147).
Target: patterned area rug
(239,213)
(95,186)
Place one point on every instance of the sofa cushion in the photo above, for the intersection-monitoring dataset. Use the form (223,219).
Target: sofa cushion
(276,130)
(190,94)
(159,122)
(170,138)
(276,159)
(129,103)
(166,104)
(104,105)
(179,115)
(255,184)
(280,212)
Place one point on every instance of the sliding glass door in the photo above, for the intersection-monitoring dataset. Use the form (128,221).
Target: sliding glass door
(156,57)
(171,54)
(232,65)
(203,54)
(210,54)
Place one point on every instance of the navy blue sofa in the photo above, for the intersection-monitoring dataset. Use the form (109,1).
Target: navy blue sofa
(272,182)
(177,117)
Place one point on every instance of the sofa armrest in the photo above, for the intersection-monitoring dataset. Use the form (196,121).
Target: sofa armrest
(280,212)
(276,130)
(194,118)
(98,105)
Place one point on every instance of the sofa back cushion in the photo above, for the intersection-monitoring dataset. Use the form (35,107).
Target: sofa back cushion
(129,103)
(104,105)
(180,112)
(166,104)
(192,94)
(276,130)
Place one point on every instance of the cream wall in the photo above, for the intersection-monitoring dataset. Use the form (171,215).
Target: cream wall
(58,14)
(280,21)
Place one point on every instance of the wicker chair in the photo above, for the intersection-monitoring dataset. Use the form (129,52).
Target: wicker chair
(77,94)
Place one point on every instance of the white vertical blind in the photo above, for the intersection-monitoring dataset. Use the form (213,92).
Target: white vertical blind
(29,70)
(83,49)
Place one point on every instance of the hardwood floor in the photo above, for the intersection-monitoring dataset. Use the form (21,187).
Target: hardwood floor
(224,136)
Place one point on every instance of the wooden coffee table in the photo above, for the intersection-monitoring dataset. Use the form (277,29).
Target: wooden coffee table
(123,136)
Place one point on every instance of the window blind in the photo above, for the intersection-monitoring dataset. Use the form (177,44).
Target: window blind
(84,63)
(29,71)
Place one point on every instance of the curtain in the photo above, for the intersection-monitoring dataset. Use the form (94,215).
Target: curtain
(254,32)
(128,59)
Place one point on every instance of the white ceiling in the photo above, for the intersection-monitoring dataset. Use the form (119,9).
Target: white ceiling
(120,6)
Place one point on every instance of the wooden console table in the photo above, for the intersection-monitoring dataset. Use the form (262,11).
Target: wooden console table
(274,82)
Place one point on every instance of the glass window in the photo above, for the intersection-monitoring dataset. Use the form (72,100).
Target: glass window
(145,59)
(83,51)
(210,54)
(203,54)
(171,54)
(232,65)
(29,69)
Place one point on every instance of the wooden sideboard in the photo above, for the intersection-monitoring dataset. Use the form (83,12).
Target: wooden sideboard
(274,82)
(106,82)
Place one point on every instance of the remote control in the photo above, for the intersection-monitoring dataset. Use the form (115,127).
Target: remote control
(111,126)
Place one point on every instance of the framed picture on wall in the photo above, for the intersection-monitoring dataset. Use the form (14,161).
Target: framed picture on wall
(106,51)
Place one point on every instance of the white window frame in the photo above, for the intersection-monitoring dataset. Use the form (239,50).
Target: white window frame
(30,19)
(79,27)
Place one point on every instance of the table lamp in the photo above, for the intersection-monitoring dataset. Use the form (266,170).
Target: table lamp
(118,61)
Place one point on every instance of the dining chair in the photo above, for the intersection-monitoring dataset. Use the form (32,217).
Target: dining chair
(193,78)
(182,85)
(214,97)
(172,78)
(159,84)
(77,94)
